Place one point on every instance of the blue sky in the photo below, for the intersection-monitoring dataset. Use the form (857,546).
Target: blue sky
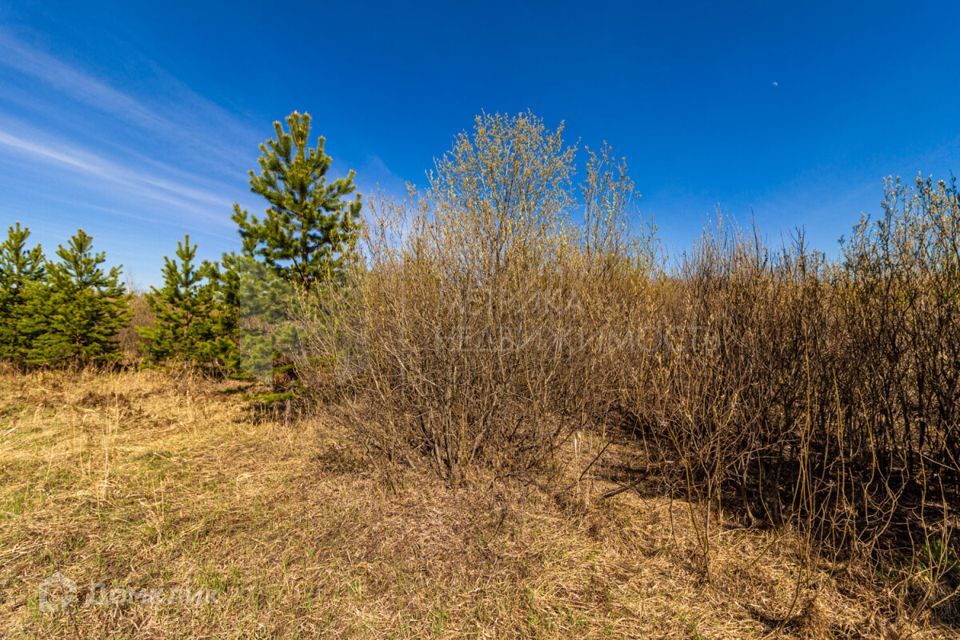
(139,121)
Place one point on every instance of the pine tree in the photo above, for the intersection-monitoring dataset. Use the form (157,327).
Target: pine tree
(305,240)
(309,230)
(194,324)
(78,314)
(261,300)
(20,269)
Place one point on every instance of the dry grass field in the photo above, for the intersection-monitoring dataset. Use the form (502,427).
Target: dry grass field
(140,483)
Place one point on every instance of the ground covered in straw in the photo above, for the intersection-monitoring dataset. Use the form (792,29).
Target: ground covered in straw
(161,509)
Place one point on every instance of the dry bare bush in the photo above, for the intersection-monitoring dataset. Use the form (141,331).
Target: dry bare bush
(823,395)
(898,301)
(483,327)
(503,311)
(131,343)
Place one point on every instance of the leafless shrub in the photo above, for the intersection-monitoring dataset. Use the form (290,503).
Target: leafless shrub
(503,310)
(823,395)
(482,326)
(129,337)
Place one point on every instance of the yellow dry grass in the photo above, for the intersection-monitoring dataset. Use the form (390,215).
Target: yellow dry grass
(144,481)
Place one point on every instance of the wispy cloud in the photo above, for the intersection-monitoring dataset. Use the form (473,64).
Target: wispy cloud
(68,79)
(175,111)
(165,152)
(148,185)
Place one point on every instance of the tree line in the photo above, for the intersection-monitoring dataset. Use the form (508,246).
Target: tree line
(227,317)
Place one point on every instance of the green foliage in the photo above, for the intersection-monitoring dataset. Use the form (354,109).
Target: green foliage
(262,300)
(20,268)
(304,243)
(77,314)
(309,231)
(194,322)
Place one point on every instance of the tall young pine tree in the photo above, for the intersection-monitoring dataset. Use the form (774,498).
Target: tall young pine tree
(78,314)
(310,230)
(304,241)
(193,324)
(20,269)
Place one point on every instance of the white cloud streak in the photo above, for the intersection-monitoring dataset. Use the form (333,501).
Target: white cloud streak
(152,186)
(201,137)
(69,80)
